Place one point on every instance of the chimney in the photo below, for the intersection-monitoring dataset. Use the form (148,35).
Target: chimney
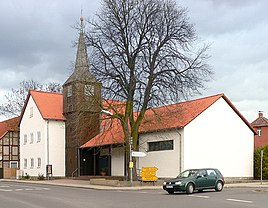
(260,114)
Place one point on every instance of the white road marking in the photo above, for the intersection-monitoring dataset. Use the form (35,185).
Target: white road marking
(199,196)
(239,200)
(28,189)
(4,186)
(5,190)
(18,189)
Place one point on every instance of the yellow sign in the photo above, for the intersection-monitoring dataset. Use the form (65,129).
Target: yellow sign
(149,174)
(130,164)
(149,169)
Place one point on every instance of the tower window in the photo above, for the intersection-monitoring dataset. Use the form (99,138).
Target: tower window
(69,91)
(89,90)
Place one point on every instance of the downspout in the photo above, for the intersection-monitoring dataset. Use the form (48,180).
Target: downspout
(180,149)
(48,142)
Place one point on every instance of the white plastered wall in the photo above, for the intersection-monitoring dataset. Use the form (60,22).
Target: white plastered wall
(219,138)
(35,150)
(118,162)
(168,162)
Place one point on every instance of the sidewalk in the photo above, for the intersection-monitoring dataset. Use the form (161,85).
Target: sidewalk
(86,184)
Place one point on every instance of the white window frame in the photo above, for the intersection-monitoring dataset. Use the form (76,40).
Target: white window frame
(25,163)
(32,163)
(25,139)
(38,136)
(259,132)
(39,162)
(14,162)
(31,138)
(89,90)
(31,112)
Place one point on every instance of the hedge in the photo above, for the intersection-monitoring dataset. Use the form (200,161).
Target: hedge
(257,163)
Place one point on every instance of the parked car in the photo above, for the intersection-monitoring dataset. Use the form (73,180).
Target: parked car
(195,179)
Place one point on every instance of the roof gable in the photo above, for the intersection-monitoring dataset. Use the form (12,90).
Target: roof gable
(49,104)
(9,125)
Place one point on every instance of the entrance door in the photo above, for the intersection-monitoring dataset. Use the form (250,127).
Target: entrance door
(103,165)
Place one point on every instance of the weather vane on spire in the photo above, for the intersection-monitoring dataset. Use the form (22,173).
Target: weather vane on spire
(81,19)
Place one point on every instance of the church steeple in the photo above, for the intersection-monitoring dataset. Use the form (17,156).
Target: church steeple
(81,70)
(81,106)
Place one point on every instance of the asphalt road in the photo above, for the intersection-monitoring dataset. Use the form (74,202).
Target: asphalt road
(16,195)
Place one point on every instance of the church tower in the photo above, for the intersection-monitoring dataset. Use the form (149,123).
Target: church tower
(81,107)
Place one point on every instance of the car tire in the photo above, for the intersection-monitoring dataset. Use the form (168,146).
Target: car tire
(190,188)
(171,192)
(219,186)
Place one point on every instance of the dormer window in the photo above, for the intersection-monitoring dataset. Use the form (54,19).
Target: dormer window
(89,90)
(69,91)
(259,132)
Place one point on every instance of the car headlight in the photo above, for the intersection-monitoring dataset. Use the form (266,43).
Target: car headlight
(164,183)
(178,183)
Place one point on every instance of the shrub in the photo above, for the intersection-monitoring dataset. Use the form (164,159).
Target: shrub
(41,176)
(26,177)
(257,163)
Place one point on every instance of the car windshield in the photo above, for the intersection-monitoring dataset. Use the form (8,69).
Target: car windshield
(187,173)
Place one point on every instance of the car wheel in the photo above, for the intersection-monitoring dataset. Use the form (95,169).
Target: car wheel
(190,188)
(219,186)
(171,192)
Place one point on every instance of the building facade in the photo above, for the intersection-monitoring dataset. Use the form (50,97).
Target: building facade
(42,129)
(260,125)
(206,132)
(9,143)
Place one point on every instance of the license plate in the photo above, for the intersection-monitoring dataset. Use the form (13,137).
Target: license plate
(169,186)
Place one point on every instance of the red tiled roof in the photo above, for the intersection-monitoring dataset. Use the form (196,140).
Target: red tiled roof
(50,104)
(9,125)
(161,118)
(111,133)
(260,121)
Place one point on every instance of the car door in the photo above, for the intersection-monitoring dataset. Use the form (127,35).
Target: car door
(201,179)
(212,177)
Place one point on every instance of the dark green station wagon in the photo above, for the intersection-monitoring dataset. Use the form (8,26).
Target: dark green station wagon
(195,179)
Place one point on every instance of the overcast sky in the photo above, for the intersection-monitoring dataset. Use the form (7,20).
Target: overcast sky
(37,37)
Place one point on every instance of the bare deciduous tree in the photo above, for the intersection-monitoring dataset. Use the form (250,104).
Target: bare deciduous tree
(16,98)
(146,54)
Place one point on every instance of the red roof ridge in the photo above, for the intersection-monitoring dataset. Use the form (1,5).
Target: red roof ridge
(188,101)
(40,91)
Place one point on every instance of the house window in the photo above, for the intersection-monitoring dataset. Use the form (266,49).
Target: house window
(25,139)
(31,138)
(259,132)
(31,112)
(160,145)
(6,150)
(69,91)
(89,90)
(39,162)
(15,150)
(32,162)
(25,163)
(13,164)
(38,136)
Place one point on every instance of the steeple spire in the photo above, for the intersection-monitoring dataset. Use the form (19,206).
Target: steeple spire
(81,70)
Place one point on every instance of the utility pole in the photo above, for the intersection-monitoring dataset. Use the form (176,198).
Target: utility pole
(261,164)
(130,160)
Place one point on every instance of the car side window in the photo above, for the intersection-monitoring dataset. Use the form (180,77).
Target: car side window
(202,173)
(211,172)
